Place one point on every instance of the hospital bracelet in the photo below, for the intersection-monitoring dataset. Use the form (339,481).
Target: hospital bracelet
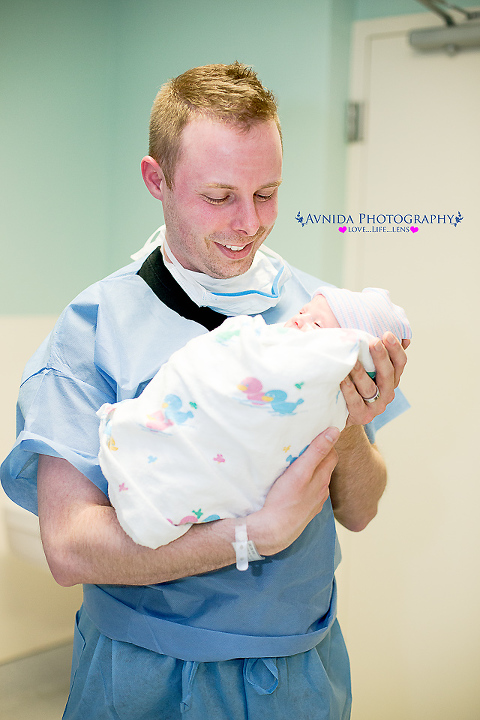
(245,549)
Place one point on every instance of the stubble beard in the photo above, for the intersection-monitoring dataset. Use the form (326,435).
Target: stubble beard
(225,267)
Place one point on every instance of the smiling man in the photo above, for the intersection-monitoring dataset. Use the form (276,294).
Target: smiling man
(223,203)
(179,630)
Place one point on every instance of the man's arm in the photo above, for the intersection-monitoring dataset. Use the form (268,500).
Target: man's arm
(358,480)
(360,476)
(84,542)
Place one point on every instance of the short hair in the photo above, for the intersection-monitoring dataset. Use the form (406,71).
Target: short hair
(231,94)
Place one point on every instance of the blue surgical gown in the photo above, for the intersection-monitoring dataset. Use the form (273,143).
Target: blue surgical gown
(225,644)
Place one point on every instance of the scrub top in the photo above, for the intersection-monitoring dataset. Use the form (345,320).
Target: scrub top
(107,345)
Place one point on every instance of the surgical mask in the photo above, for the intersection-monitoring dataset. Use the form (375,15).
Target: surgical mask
(255,291)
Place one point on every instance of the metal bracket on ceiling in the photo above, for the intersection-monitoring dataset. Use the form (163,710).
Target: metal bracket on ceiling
(451,38)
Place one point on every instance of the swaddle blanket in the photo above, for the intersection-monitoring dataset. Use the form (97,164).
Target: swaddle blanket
(220,421)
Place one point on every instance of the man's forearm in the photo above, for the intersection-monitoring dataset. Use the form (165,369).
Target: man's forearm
(358,480)
(84,542)
(109,556)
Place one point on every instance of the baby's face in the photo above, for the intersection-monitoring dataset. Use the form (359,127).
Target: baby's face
(315,314)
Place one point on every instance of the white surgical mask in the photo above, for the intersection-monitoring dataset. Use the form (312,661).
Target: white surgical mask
(253,292)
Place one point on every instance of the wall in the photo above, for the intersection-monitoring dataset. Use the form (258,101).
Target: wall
(77,83)
(408,586)
(78,80)
(55,67)
(368,9)
(293,51)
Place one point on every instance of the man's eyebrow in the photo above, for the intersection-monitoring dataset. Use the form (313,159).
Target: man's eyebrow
(224,186)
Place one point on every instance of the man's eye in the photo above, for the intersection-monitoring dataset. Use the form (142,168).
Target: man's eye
(264,197)
(215,201)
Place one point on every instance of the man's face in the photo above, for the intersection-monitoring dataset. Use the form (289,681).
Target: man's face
(223,203)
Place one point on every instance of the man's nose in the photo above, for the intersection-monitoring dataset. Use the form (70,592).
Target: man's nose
(246,218)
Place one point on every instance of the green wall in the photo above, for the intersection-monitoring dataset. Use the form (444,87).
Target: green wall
(369,9)
(78,78)
(54,196)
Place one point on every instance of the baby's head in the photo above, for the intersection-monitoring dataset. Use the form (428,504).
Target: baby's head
(315,314)
(370,310)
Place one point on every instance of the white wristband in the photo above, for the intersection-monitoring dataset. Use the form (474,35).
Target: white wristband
(245,549)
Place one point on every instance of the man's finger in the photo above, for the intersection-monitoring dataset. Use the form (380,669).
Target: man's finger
(398,356)
(318,450)
(363,383)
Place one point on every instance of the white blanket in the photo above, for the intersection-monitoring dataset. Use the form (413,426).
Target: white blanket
(221,420)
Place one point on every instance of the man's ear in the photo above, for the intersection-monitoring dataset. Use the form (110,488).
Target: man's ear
(153,177)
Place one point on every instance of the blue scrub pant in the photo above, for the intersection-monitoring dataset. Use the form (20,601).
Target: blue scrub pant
(113,680)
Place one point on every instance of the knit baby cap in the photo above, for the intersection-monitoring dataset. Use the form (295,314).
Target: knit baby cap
(370,310)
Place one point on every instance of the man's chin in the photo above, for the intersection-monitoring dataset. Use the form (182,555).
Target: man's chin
(228,273)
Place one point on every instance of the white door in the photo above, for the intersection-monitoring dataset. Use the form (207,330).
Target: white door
(411,581)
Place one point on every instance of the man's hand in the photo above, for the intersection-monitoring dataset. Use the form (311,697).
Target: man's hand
(360,476)
(390,359)
(297,495)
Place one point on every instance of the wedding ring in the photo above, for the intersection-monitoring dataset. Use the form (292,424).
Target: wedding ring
(373,398)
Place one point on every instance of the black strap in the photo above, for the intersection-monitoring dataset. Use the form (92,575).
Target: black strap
(166,288)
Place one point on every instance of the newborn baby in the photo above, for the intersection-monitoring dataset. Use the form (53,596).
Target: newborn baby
(232,409)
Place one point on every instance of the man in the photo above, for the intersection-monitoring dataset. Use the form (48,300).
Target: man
(179,629)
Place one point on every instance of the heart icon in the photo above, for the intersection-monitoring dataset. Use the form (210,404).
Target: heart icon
(342,229)
(414,229)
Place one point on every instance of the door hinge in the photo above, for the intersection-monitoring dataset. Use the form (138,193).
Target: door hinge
(354,121)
